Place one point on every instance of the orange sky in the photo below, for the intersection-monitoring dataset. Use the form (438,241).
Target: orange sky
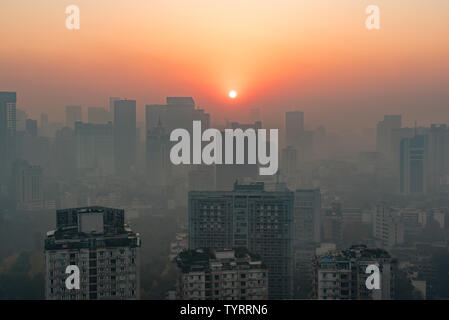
(315,55)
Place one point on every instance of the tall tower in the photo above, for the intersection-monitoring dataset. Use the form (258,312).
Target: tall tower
(124,135)
(413,165)
(7,131)
(102,246)
(248,217)
(294,127)
(307,213)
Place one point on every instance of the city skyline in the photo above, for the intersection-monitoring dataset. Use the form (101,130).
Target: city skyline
(318,57)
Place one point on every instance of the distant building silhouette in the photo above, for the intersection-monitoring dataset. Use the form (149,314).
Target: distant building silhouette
(95,148)
(73,114)
(124,135)
(413,165)
(7,131)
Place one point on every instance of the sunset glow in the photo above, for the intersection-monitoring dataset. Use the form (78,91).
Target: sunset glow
(290,52)
(232,94)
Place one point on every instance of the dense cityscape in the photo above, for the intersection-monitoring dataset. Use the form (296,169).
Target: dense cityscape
(98,190)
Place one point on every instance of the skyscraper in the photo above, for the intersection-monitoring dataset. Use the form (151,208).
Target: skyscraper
(124,135)
(413,165)
(7,131)
(95,148)
(384,133)
(307,213)
(102,246)
(28,186)
(294,127)
(438,156)
(158,162)
(178,112)
(252,218)
(31,127)
(72,115)
(388,226)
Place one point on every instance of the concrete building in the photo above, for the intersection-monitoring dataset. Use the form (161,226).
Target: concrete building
(221,275)
(248,217)
(7,131)
(388,226)
(28,186)
(95,148)
(341,275)
(414,165)
(307,213)
(105,250)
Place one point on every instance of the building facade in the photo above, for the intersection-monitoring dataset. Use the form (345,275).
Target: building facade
(252,218)
(341,275)
(105,250)
(221,275)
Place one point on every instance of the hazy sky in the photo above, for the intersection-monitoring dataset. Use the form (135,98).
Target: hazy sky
(314,55)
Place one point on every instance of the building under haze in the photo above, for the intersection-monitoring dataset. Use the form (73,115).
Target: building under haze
(7,131)
(248,217)
(178,112)
(95,148)
(294,127)
(28,186)
(73,114)
(307,213)
(158,164)
(221,275)
(341,275)
(413,165)
(105,249)
(384,134)
(125,139)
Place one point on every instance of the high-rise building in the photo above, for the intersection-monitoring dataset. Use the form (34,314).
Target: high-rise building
(158,162)
(44,121)
(73,114)
(112,101)
(31,127)
(28,186)
(97,115)
(178,112)
(125,135)
(221,275)
(102,246)
(248,217)
(307,213)
(388,226)
(384,133)
(64,153)
(227,174)
(413,165)
(438,157)
(294,127)
(7,131)
(341,275)
(95,148)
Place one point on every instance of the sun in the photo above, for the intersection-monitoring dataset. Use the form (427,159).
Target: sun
(232,94)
